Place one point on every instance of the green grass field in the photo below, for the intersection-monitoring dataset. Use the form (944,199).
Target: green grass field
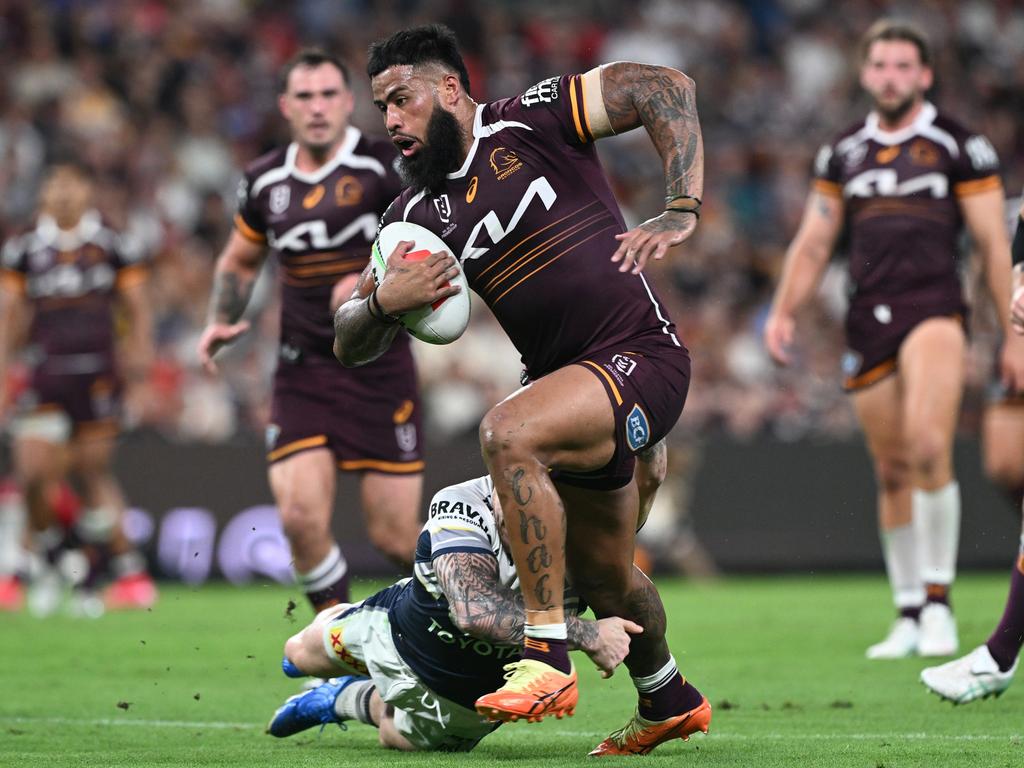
(781,660)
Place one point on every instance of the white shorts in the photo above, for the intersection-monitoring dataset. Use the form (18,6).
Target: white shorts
(360,643)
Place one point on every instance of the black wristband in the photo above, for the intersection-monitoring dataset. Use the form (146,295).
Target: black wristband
(694,211)
(377,311)
(1018,243)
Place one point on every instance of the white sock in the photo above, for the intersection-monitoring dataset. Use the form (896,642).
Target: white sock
(326,573)
(899,548)
(937,526)
(353,703)
(546,631)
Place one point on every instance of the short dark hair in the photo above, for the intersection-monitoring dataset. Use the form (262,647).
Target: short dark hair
(418,45)
(309,57)
(889,29)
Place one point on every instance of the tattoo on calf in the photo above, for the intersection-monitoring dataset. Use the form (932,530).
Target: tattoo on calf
(540,531)
(542,593)
(517,478)
(538,558)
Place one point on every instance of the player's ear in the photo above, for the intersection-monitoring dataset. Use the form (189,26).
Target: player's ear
(927,78)
(282,105)
(451,89)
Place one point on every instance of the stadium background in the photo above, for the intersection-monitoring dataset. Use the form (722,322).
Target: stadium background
(167,101)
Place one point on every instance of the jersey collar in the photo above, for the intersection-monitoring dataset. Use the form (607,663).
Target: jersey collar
(889,138)
(343,152)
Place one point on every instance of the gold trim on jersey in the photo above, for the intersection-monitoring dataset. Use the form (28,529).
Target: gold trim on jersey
(549,262)
(389,467)
(826,187)
(603,372)
(248,232)
(987,184)
(325,268)
(498,260)
(540,249)
(297,445)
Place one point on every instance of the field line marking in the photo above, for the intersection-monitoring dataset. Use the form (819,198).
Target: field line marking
(105,721)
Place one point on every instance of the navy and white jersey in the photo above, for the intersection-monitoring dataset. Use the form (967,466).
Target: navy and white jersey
(71,278)
(321,226)
(532,220)
(453,664)
(901,191)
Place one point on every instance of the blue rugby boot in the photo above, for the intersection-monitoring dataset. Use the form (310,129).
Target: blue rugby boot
(314,707)
(290,669)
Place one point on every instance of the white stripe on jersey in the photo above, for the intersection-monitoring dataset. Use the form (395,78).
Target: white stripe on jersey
(657,310)
(481,131)
(409,206)
(343,156)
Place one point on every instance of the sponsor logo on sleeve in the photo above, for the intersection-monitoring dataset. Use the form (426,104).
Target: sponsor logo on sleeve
(544,92)
(638,431)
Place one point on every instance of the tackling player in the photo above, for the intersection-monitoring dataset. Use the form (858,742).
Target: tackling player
(990,667)
(432,645)
(74,274)
(316,204)
(516,190)
(902,183)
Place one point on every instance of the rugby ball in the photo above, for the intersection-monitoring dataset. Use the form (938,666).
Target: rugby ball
(445,320)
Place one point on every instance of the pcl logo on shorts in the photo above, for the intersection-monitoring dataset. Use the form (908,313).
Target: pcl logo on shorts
(624,364)
(638,431)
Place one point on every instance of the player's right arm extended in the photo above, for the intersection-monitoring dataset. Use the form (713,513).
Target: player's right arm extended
(805,262)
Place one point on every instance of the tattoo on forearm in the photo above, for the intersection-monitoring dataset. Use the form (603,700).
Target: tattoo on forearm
(663,102)
(478,602)
(231,294)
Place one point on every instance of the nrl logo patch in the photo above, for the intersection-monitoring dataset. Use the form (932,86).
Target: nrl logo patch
(280,198)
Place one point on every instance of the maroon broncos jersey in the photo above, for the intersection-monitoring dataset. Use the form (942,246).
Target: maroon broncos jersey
(71,279)
(321,225)
(900,189)
(532,220)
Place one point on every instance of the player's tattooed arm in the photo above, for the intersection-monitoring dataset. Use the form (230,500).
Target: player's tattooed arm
(664,101)
(231,294)
(362,332)
(482,607)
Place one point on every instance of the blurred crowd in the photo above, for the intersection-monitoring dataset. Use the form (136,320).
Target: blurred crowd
(167,100)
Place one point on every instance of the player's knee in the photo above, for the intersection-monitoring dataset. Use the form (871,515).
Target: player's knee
(295,650)
(604,588)
(1005,471)
(892,475)
(928,451)
(504,435)
(301,520)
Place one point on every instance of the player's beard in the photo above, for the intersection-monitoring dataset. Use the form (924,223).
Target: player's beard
(439,155)
(894,114)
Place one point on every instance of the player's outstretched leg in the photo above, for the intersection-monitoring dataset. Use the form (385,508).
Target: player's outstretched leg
(337,700)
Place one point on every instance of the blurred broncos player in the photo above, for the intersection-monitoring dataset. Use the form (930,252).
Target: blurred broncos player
(73,274)
(988,669)
(316,204)
(418,654)
(903,182)
(516,189)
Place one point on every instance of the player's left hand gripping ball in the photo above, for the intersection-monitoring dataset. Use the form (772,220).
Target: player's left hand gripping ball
(443,321)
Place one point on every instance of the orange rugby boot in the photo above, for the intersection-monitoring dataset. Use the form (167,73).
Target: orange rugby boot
(533,691)
(640,736)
